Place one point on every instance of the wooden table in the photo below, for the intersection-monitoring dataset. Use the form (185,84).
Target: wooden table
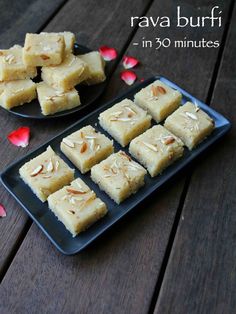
(176,253)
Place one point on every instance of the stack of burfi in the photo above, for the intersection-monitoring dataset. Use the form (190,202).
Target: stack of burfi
(61,71)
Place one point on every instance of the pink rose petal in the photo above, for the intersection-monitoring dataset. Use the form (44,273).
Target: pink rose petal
(129,77)
(20,137)
(2,211)
(108,53)
(129,62)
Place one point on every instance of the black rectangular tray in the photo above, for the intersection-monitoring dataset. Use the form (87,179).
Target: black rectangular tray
(48,222)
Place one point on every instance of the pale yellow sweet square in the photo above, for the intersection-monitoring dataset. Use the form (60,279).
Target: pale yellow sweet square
(156,149)
(119,176)
(65,76)
(86,147)
(76,206)
(124,121)
(69,39)
(16,93)
(46,174)
(43,49)
(191,124)
(158,99)
(12,66)
(52,100)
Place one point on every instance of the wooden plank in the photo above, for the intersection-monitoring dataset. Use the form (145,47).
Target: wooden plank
(117,273)
(16,18)
(201,273)
(73,17)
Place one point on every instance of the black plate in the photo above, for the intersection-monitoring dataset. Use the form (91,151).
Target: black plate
(46,220)
(88,94)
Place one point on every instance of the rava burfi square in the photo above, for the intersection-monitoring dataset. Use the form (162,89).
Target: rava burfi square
(191,124)
(77,206)
(156,149)
(86,147)
(46,174)
(124,121)
(119,176)
(158,99)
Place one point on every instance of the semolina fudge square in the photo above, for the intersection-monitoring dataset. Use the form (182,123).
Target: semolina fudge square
(16,93)
(86,147)
(191,124)
(65,76)
(156,149)
(69,39)
(46,174)
(96,66)
(119,176)
(158,99)
(124,121)
(76,206)
(12,66)
(43,49)
(52,100)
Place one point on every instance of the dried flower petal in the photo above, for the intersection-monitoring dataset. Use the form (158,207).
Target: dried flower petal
(129,62)
(108,53)
(2,211)
(129,77)
(20,137)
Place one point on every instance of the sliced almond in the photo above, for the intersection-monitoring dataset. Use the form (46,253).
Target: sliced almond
(191,115)
(150,146)
(154,90)
(161,90)
(36,171)
(46,176)
(74,191)
(68,142)
(125,155)
(50,166)
(92,144)
(168,140)
(90,137)
(70,211)
(98,147)
(57,165)
(83,147)
(44,57)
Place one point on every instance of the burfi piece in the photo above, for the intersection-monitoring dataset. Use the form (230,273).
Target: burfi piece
(96,66)
(69,39)
(124,121)
(86,147)
(76,206)
(191,124)
(65,76)
(46,174)
(156,149)
(12,66)
(43,49)
(16,93)
(119,176)
(52,100)
(158,99)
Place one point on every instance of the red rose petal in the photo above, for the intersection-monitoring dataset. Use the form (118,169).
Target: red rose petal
(108,53)
(129,77)
(129,62)
(20,137)
(2,211)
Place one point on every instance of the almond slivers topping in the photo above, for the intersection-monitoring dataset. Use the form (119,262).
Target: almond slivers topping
(125,155)
(70,211)
(154,91)
(161,90)
(74,191)
(57,165)
(36,171)
(168,140)
(83,148)
(68,142)
(9,59)
(150,146)
(191,115)
(50,166)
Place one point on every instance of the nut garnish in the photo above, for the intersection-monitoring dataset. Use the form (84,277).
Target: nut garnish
(74,191)
(125,155)
(9,59)
(120,119)
(50,166)
(168,140)
(150,146)
(44,57)
(161,90)
(191,115)
(47,176)
(57,165)
(70,211)
(68,142)
(131,112)
(84,147)
(154,91)
(36,171)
